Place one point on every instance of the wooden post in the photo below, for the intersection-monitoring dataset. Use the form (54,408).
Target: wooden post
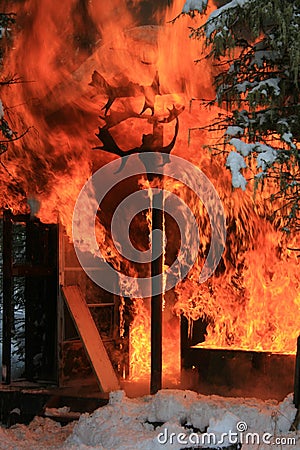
(7,297)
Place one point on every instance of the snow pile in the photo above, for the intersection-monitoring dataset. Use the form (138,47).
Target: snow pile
(147,423)
(40,433)
(169,420)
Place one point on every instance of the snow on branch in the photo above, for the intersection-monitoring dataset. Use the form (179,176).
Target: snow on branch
(235,162)
(265,156)
(215,18)
(194,5)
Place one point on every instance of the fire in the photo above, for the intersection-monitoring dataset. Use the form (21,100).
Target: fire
(140,343)
(252,302)
(140,351)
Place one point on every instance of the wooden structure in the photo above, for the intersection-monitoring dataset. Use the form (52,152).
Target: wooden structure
(84,304)
(37,267)
(70,325)
(91,339)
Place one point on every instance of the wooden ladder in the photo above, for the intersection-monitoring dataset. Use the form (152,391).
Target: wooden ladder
(91,339)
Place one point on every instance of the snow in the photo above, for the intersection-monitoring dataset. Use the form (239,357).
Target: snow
(263,86)
(214,20)
(147,423)
(242,87)
(242,147)
(234,131)
(288,138)
(266,157)
(194,5)
(235,162)
(219,426)
(260,56)
(40,433)
(271,83)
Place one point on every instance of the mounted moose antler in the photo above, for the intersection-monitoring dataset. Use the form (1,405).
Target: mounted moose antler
(149,144)
(173,114)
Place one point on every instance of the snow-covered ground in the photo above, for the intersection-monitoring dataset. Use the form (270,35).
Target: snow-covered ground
(170,420)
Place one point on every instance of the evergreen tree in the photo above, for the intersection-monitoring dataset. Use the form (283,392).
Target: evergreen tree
(6,21)
(256,47)
(6,133)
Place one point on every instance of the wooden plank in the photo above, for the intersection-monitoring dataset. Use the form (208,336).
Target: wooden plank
(91,339)
(26,270)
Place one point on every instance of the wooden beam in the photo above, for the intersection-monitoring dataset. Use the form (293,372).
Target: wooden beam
(27,270)
(91,339)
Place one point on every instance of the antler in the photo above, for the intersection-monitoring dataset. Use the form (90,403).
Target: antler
(173,114)
(109,144)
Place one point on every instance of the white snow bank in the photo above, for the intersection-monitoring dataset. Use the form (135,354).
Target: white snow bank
(147,423)
(39,434)
(169,420)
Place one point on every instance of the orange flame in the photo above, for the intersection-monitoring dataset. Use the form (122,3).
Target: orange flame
(252,302)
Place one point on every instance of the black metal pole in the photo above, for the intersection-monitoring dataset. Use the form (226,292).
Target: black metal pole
(7,297)
(157,299)
(156,264)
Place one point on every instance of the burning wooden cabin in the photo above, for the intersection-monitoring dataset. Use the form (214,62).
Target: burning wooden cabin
(75,333)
